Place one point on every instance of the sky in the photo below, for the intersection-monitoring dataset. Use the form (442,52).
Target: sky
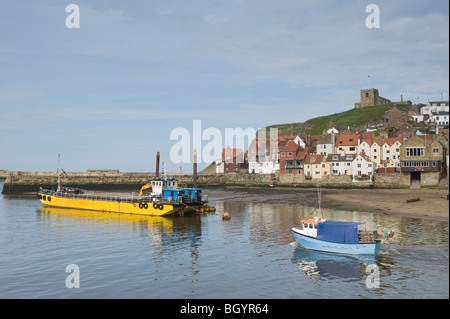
(108,95)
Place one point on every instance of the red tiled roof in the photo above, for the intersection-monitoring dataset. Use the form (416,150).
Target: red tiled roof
(347,140)
(313,158)
(291,146)
(391,141)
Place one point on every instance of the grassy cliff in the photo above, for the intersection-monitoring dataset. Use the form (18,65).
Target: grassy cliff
(352,118)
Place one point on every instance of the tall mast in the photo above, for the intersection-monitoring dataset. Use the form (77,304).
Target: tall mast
(59,175)
(319,195)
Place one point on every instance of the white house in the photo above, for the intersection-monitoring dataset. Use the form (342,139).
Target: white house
(299,141)
(220,166)
(365,146)
(362,168)
(326,145)
(332,131)
(263,157)
(440,118)
(435,106)
(416,116)
(390,152)
(375,152)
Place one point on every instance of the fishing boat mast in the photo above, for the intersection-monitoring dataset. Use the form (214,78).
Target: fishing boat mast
(319,196)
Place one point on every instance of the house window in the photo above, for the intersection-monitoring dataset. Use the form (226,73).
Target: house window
(415,151)
(289,153)
(435,151)
(282,153)
(335,157)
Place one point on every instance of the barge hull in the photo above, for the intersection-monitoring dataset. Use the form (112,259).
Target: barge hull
(110,206)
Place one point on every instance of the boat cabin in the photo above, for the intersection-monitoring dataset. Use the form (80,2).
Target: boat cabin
(308,226)
(186,194)
(158,184)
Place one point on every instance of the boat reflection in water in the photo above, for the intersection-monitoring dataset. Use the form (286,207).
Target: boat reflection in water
(165,230)
(317,264)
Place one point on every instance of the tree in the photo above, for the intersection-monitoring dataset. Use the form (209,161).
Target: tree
(392,131)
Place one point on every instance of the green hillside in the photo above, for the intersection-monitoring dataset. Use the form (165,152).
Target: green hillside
(352,118)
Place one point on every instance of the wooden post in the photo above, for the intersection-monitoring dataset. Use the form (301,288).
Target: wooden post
(195,168)
(157,164)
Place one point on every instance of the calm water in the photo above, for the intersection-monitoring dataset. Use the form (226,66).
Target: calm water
(252,255)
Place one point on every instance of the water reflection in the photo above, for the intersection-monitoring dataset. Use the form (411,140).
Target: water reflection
(322,265)
(163,235)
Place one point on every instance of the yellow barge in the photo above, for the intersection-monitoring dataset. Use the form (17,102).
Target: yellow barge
(164,199)
(160,197)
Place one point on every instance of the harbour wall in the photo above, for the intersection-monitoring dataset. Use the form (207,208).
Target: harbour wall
(29,182)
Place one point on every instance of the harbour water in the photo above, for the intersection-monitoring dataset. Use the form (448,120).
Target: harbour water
(252,255)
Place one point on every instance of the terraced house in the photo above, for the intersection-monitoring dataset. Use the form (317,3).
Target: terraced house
(347,143)
(314,168)
(291,159)
(390,154)
(340,164)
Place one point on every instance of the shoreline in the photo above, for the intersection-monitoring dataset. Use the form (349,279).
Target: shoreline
(433,203)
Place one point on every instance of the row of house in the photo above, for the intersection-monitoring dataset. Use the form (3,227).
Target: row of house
(354,154)
(359,155)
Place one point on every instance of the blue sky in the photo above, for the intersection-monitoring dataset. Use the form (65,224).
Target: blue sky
(108,95)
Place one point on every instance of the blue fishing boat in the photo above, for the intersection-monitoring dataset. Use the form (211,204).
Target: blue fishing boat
(336,237)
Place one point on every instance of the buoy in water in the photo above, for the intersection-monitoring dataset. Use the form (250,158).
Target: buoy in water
(226,216)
